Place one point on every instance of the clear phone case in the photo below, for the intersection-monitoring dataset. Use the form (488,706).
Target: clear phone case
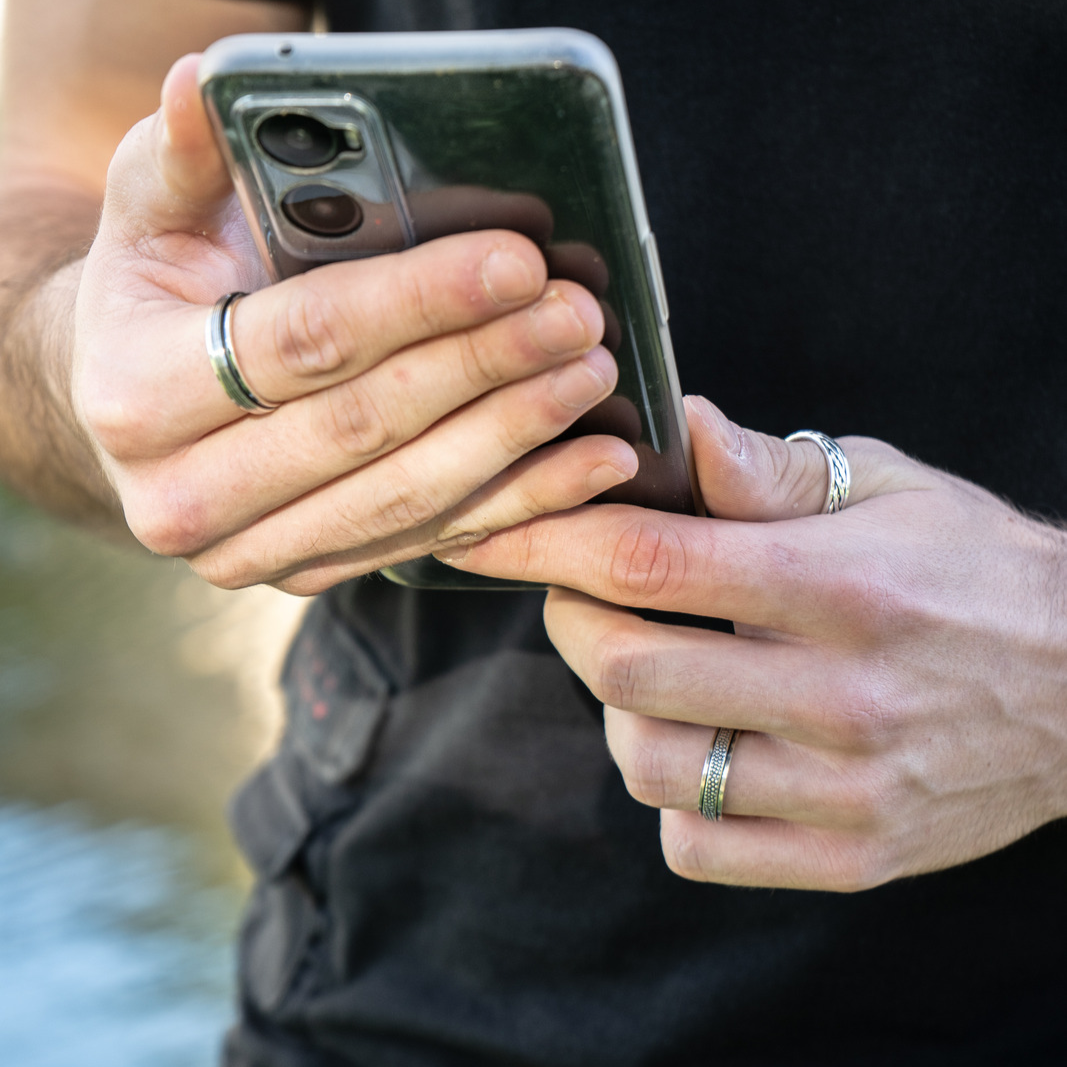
(351,145)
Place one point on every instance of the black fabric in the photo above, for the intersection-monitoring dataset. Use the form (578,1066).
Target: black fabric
(862,217)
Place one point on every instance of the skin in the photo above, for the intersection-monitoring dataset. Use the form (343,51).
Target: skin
(72,86)
(413,386)
(899,668)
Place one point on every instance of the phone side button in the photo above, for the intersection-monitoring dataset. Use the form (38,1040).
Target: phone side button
(655,277)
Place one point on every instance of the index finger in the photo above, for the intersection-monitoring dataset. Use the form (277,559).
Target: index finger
(795,575)
(333,323)
(304,334)
(757,573)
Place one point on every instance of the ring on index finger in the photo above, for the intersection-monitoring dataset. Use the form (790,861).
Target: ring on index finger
(838,470)
(716,768)
(217,337)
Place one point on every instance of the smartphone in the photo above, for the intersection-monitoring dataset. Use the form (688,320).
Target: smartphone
(353,145)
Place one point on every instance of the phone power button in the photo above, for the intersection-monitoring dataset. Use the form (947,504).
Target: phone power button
(655,277)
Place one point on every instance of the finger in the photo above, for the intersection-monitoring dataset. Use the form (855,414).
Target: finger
(554,477)
(759,478)
(188,185)
(791,689)
(773,853)
(246,470)
(313,331)
(414,486)
(662,762)
(760,574)
(337,430)
(330,324)
(809,577)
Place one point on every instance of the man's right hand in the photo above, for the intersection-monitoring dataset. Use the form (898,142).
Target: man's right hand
(413,387)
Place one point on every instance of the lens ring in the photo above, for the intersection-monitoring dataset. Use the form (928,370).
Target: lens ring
(298,140)
(322,210)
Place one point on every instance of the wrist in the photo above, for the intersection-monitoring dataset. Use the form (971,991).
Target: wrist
(45,455)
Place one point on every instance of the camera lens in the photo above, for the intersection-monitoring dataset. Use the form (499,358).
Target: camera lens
(322,210)
(298,140)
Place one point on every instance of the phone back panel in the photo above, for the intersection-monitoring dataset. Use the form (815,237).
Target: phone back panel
(444,132)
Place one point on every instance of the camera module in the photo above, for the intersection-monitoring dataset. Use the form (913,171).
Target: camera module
(322,210)
(298,140)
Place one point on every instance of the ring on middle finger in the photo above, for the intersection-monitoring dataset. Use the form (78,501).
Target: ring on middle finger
(716,768)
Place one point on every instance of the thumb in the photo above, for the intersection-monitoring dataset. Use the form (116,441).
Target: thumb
(759,478)
(168,174)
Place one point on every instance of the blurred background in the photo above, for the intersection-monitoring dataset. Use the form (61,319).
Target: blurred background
(133,698)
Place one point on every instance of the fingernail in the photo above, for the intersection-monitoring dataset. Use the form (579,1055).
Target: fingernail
(715,421)
(556,326)
(608,475)
(507,278)
(578,383)
(452,556)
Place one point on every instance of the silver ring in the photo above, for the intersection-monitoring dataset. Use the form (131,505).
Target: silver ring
(716,768)
(224,359)
(839,472)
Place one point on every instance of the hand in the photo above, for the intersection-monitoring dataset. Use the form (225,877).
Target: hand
(412,387)
(899,669)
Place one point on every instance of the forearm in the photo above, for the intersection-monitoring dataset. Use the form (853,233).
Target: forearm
(44,454)
(71,86)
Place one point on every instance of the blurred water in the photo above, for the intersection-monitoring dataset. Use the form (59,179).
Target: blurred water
(133,699)
(109,952)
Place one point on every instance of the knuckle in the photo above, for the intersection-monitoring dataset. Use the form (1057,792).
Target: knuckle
(356,425)
(480,363)
(623,669)
(853,863)
(682,850)
(415,296)
(171,522)
(400,506)
(122,427)
(875,599)
(644,766)
(647,560)
(516,437)
(525,418)
(310,336)
(863,800)
(858,715)
(527,551)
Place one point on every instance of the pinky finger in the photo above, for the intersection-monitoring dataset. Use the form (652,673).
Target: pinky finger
(772,853)
(552,478)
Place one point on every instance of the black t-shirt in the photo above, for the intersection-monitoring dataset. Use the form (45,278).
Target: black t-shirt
(862,217)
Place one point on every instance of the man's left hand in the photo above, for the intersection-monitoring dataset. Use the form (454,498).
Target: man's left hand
(899,669)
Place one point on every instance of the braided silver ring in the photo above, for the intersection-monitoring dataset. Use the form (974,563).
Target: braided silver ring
(224,360)
(716,768)
(840,474)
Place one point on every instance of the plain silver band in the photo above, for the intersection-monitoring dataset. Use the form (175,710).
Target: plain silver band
(716,768)
(224,360)
(838,470)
